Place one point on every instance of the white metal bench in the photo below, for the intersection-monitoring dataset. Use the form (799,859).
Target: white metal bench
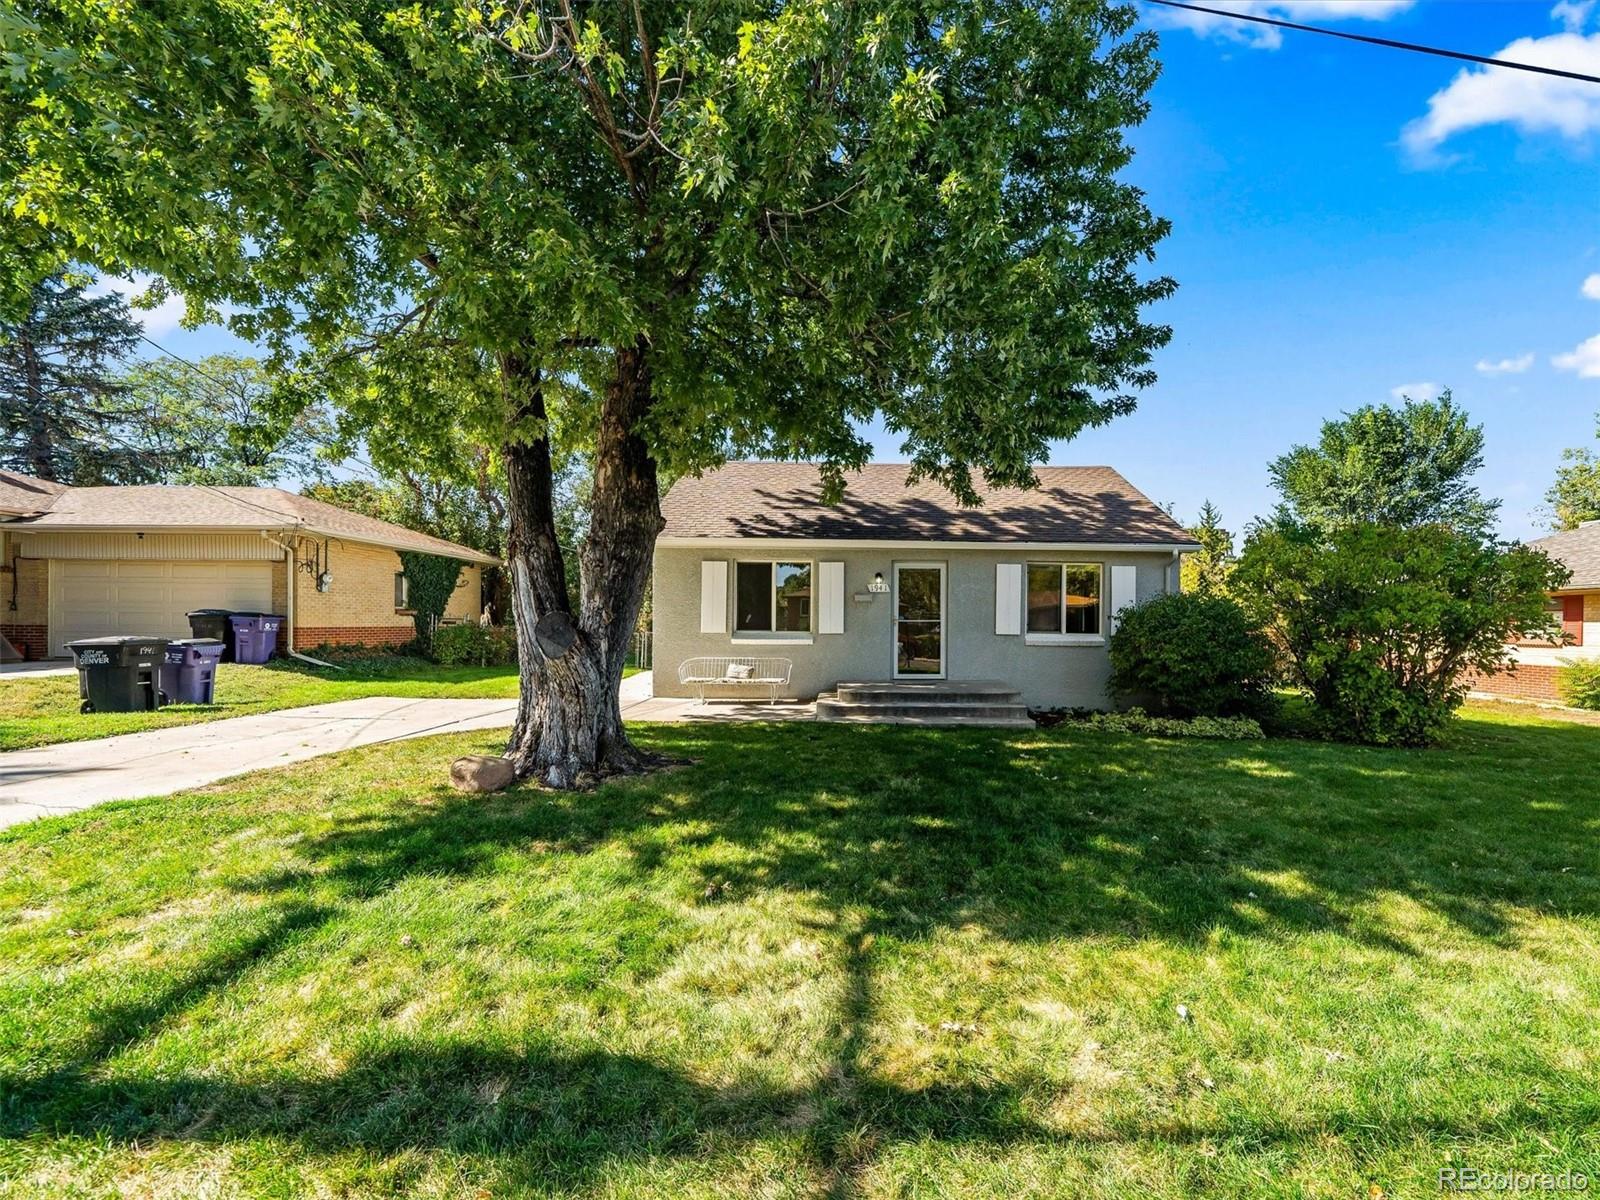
(769,673)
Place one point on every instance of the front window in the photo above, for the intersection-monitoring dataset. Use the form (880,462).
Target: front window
(772,597)
(402,590)
(1064,598)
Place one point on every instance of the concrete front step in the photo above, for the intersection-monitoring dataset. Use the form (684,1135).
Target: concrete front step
(932,691)
(926,702)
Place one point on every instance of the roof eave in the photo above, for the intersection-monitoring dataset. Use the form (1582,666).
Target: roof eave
(454,551)
(683,541)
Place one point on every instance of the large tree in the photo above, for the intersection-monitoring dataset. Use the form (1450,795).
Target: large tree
(1383,465)
(60,394)
(1574,497)
(665,233)
(213,422)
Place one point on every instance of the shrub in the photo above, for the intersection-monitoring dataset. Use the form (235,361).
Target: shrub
(1380,624)
(1580,683)
(474,645)
(1191,655)
(1137,721)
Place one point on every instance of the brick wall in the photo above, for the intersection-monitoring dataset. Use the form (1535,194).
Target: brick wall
(30,639)
(359,608)
(1523,682)
(307,637)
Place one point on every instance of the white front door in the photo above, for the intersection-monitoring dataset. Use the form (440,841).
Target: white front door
(100,597)
(919,620)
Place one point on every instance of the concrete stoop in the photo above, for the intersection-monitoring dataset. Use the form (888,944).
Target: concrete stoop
(926,702)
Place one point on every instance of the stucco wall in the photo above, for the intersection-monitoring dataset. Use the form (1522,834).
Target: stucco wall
(1072,675)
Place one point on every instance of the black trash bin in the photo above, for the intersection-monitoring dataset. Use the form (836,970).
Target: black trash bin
(214,623)
(189,674)
(119,674)
(255,635)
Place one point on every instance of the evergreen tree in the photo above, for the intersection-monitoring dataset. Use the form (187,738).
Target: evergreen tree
(1206,572)
(59,392)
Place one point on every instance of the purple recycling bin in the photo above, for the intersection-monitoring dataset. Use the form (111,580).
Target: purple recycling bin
(255,636)
(189,674)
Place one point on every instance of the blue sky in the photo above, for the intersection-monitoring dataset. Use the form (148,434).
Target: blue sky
(1348,221)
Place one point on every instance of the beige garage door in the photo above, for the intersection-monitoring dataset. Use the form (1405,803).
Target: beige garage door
(96,597)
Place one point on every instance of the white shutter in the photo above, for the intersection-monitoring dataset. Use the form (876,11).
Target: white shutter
(1124,590)
(1008,598)
(713,596)
(830,597)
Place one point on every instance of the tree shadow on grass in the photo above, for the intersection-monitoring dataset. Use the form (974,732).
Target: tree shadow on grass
(1055,834)
(1031,837)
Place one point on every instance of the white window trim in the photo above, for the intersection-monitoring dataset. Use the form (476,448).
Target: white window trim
(1064,639)
(1037,638)
(774,636)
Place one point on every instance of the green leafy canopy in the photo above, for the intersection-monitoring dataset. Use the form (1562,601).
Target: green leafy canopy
(833,210)
(1405,466)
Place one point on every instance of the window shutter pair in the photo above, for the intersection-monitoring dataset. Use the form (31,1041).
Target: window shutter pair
(829,606)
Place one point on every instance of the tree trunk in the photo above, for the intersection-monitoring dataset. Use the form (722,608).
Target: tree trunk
(569,720)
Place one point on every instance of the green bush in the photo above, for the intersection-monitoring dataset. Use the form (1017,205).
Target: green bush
(475,645)
(1380,624)
(1137,721)
(1580,684)
(1188,655)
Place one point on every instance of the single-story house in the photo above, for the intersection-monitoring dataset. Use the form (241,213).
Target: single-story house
(78,562)
(1536,665)
(899,582)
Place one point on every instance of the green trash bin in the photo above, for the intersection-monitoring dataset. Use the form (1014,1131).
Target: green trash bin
(119,674)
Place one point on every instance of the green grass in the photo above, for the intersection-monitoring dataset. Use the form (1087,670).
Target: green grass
(39,711)
(820,960)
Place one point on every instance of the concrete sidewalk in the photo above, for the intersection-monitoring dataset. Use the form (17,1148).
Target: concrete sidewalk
(75,775)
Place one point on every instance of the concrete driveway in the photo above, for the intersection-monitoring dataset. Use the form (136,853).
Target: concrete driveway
(76,775)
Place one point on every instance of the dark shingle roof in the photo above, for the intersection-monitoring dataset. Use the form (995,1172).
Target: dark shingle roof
(784,500)
(1579,550)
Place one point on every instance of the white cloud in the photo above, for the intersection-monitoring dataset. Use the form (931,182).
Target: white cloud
(1591,286)
(1416,391)
(1585,359)
(1506,366)
(1573,14)
(1531,103)
(1265,37)
(162,319)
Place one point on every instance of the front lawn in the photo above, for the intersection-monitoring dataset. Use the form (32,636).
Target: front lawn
(822,960)
(38,711)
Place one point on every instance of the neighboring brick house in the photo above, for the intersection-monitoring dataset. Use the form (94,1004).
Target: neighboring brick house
(86,562)
(1537,664)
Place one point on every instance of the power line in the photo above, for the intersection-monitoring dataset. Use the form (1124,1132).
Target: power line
(1459,55)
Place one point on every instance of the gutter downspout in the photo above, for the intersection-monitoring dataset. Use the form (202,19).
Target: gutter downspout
(289,566)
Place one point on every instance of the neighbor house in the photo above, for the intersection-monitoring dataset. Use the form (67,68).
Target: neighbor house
(78,562)
(1537,665)
(900,582)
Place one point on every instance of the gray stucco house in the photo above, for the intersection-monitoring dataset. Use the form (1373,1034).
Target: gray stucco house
(898,582)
